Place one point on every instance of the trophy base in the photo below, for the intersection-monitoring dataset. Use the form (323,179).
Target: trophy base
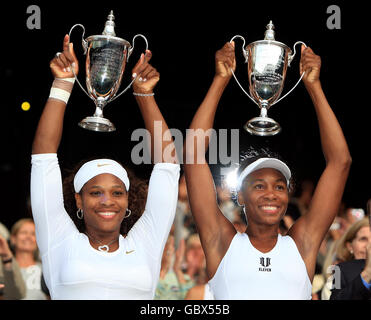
(97,124)
(262,126)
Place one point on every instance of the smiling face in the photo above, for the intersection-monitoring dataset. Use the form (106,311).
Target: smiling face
(25,239)
(265,196)
(104,201)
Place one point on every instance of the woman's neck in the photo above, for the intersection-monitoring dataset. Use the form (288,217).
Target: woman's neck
(99,239)
(263,239)
(262,233)
(25,258)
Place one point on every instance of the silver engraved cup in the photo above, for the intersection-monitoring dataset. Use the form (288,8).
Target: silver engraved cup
(106,58)
(267,61)
(266,68)
(105,65)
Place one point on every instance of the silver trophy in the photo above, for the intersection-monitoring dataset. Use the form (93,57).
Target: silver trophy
(106,58)
(267,61)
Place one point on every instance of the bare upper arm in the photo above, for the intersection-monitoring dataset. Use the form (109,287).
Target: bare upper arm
(216,231)
(309,230)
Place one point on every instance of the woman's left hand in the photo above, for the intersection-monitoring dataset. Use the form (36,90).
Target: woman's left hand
(146,75)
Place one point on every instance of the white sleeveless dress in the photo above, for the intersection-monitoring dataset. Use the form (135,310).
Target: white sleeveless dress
(245,273)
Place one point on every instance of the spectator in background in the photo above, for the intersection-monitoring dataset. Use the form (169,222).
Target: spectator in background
(183,222)
(327,249)
(353,215)
(194,264)
(227,202)
(298,206)
(183,271)
(349,253)
(355,273)
(228,207)
(173,284)
(345,218)
(354,242)
(12,285)
(23,241)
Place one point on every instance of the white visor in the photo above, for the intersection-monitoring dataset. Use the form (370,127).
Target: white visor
(96,167)
(265,163)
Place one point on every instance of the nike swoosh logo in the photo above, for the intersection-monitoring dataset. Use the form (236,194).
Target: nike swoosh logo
(131,251)
(103,164)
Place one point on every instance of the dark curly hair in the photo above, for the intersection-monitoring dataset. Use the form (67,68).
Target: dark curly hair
(137,198)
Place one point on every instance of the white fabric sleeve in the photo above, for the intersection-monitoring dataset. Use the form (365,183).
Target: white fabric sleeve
(153,227)
(52,222)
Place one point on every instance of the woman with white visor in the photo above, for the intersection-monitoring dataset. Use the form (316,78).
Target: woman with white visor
(260,263)
(96,260)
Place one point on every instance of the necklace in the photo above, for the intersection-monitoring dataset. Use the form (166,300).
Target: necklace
(103,247)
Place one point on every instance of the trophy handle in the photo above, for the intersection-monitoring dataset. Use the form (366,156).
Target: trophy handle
(130,50)
(291,57)
(246,56)
(85,47)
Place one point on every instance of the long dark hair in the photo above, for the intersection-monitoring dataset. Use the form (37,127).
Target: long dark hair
(137,198)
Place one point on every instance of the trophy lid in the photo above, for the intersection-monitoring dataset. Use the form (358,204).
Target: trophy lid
(109,32)
(269,39)
(109,28)
(269,33)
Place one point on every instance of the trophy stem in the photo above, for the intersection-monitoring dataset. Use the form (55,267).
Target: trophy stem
(97,122)
(99,108)
(263,111)
(262,125)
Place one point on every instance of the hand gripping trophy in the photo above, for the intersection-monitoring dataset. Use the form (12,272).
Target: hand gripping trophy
(267,62)
(106,58)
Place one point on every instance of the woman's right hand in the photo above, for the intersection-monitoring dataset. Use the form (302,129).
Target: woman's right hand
(62,63)
(225,61)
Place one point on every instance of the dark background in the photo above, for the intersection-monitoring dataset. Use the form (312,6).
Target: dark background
(183,37)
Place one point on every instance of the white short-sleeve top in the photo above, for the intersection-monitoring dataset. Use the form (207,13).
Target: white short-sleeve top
(72,268)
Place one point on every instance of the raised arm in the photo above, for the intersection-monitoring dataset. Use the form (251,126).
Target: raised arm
(162,147)
(216,232)
(49,131)
(309,231)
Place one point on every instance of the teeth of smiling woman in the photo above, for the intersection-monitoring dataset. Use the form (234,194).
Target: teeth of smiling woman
(269,208)
(107,214)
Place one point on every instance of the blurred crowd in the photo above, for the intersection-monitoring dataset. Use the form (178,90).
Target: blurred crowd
(183,273)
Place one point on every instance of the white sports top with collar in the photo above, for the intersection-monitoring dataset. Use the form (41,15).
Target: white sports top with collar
(72,268)
(245,273)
